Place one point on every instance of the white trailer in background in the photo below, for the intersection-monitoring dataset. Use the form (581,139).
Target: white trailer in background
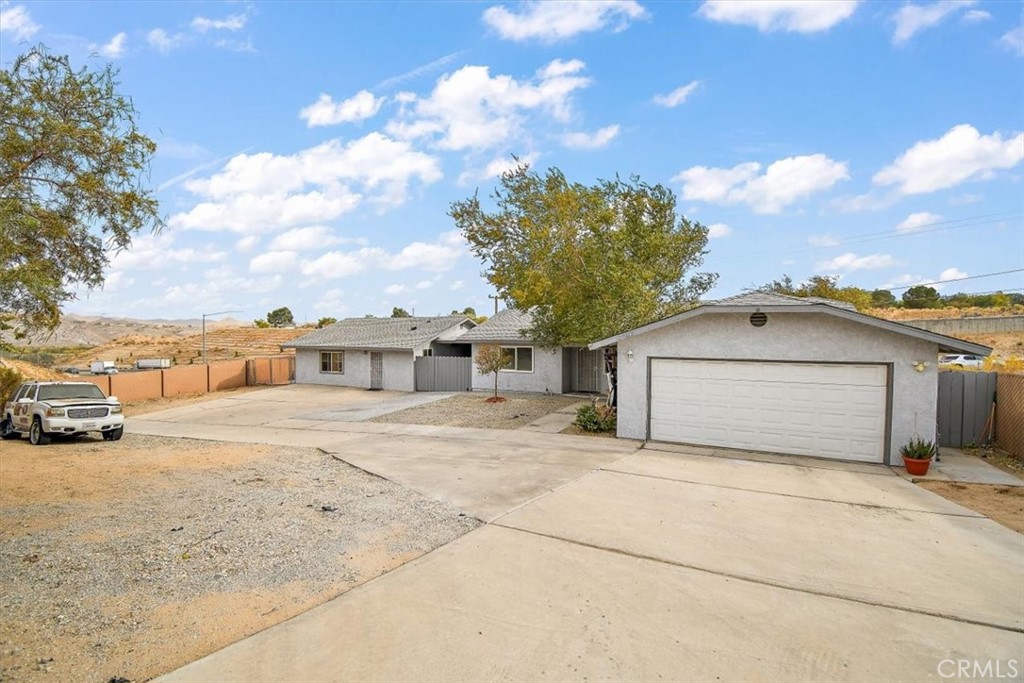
(152,363)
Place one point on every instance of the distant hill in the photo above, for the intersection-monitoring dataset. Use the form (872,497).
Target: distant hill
(80,330)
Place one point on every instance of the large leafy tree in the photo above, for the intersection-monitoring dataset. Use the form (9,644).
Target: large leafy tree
(821,286)
(72,164)
(589,261)
(281,317)
(921,296)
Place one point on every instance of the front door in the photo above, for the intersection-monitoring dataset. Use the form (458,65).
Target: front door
(376,370)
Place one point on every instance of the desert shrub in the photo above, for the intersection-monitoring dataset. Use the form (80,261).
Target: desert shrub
(594,418)
(10,379)
(919,449)
(1014,365)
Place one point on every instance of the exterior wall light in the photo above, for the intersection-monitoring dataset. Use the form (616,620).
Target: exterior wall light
(920,365)
(629,355)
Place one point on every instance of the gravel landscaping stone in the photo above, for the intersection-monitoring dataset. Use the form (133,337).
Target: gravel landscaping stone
(131,558)
(471,409)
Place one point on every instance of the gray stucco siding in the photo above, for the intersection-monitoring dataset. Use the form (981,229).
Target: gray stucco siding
(786,337)
(398,369)
(545,378)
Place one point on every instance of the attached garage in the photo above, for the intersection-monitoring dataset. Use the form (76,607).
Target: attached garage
(819,409)
(781,374)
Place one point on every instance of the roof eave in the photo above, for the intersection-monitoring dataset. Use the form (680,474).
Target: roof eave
(945,343)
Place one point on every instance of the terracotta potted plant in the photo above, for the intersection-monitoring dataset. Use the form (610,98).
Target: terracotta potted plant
(917,456)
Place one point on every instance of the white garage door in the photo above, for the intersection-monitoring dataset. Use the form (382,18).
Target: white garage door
(817,409)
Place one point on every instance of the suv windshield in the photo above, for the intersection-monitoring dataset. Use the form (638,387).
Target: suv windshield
(50,392)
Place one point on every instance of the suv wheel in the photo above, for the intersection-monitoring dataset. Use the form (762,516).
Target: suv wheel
(36,435)
(7,430)
(113,434)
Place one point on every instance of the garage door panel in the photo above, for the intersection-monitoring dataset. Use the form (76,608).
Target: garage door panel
(827,410)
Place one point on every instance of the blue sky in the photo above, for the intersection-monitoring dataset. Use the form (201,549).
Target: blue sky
(308,152)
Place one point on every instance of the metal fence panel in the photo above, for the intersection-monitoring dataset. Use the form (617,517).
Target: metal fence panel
(965,405)
(443,373)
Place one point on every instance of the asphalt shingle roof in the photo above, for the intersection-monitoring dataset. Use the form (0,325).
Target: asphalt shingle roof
(509,325)
(378,333)
(772,299)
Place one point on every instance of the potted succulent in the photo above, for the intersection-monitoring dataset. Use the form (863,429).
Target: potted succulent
(917,455)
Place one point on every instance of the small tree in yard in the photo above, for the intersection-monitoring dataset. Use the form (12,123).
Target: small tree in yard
(491,359)
(281,317)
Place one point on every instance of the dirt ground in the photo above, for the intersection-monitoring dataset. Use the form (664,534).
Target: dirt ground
(471,409)
(129,559)
(1003,504)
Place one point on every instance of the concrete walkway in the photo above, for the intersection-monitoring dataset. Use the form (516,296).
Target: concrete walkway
(955,465)
(677,567)
(554,423)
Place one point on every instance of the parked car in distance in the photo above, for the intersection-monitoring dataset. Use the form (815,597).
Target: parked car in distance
(961,360)
(45,409)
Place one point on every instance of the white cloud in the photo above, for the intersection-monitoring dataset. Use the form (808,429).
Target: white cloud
(456,286)
(395,289)
(912,18)
(799,16)
(908,280)
(717,230)
(156,251)
(826,240)
(471,110)
(163,41)
(116,281)
(424,284)
(976,15)
(554,21)
(918,220)
(16,19)
(869,201)
(961,154)
(496,168)
(259,193)
(326,112)
(849,262)
(1013,40)
(247,243)
(677,96)
(595,140)
(310,238)
(418,71)
(783,182)
(965,199)
(274,262)
(438,256)
(234,22)
(115,48)
(332,301)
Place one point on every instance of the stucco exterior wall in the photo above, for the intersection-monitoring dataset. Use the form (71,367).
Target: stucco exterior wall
(398,369)
(545,378)
(792,337)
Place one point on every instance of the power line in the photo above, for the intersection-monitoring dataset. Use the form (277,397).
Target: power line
(958,279)
(924,229)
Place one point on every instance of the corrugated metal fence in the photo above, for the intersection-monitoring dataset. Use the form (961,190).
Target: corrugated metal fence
(965,407)
(443,373)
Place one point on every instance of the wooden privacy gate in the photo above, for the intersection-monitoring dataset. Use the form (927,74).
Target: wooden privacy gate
(965,407)
(443,373)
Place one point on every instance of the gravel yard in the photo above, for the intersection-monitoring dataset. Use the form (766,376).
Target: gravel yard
(131,558)
(471,409)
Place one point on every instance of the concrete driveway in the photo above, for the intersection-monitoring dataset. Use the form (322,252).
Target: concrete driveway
(650,565)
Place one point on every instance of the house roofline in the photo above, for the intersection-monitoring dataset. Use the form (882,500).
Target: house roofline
(945,343)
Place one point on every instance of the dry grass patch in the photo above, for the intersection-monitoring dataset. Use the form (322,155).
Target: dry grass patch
(474,410)
(1002,504)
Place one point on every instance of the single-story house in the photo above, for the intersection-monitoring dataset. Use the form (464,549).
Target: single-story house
(559,370)
(781,374)
(376,353)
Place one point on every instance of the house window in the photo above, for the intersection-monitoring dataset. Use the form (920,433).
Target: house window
(520,358)
(332,361)
(428,352)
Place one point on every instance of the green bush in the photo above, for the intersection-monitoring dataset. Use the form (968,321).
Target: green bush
(10,379)
(919,449)
(592,418)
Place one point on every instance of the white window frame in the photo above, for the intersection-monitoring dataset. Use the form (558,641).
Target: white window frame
(332,372)
(515,359)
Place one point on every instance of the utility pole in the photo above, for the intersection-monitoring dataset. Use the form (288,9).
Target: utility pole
(495,297)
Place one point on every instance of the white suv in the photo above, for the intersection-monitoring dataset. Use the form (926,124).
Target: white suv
(44,409)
